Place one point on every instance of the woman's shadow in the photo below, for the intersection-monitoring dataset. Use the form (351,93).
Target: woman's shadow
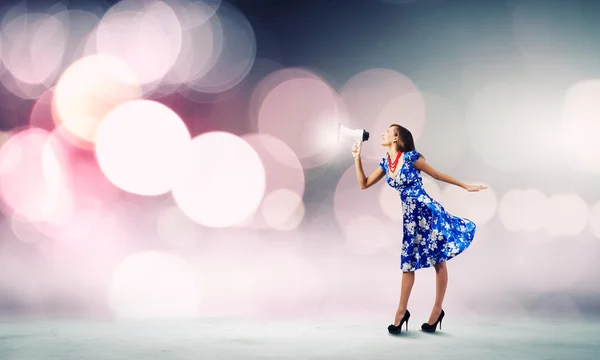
(420,333)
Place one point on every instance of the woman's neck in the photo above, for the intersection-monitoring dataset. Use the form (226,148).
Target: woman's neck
(392,152)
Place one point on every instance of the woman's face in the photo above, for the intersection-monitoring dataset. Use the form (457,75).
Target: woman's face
(388,137)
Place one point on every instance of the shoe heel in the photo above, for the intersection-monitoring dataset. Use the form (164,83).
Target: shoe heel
(440,324)
(407,325)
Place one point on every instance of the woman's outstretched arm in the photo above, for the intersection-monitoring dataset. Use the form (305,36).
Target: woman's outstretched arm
(423,166)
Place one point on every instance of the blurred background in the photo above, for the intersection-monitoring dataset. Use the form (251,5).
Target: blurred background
(180,159)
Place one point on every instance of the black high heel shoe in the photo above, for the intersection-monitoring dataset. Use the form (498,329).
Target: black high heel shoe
(393,329)
(431,328)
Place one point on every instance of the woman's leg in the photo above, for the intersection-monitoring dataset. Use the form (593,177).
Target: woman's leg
(408,279)
(441,283)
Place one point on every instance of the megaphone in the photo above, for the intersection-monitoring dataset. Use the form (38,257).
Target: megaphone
(358,135)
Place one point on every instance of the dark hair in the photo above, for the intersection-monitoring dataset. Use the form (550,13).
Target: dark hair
(407,139)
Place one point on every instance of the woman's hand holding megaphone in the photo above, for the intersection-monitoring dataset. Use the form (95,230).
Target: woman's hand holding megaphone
(356,149)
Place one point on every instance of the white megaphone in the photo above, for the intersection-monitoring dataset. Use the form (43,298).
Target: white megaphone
(358,135)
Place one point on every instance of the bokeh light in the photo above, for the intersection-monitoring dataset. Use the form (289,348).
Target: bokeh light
(31,176)
(523,210)
(223,182)
(567,215)
(79,24)
(132,31)
(77,224)
(304,111)
(33,47)
(201,41)
(88,90)
(235,43)
(283,209)
(580,126)
(85,193)
(24,230)
(377,98)
(142,147)
(595,219)
(283,174)
(41,113)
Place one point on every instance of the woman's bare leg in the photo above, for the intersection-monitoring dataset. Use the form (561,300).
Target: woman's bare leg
(408,280)
(441,283)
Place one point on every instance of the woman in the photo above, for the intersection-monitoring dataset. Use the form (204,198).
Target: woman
(431,235)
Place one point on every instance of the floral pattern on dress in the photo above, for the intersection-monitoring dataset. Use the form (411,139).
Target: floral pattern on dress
(431,235)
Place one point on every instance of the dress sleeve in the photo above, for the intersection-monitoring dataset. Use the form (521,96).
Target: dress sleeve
(412,156)
(383,164)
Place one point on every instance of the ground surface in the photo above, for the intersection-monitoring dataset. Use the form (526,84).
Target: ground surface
(228,339)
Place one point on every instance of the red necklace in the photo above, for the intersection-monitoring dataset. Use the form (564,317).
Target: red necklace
(394,164)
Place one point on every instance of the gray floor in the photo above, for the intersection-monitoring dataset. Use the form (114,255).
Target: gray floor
(228,339)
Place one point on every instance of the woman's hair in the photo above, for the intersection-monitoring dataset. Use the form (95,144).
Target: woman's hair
(406,137)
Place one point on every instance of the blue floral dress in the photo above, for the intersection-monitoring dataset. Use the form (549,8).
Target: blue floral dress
(431,235)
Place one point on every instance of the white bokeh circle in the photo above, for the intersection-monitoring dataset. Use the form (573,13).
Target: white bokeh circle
(142,146)
(224,181)
(283,209)
(523,210)
(595,219)
(580,126)
(567,215)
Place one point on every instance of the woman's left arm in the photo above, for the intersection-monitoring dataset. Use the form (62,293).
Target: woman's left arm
(423,166)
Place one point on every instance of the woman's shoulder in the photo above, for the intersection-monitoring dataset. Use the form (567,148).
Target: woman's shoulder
(412,155)
(383,163)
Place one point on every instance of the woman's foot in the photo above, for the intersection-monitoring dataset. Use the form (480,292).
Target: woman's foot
(432,325)
(435,314)
(399,317)
(396,327)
